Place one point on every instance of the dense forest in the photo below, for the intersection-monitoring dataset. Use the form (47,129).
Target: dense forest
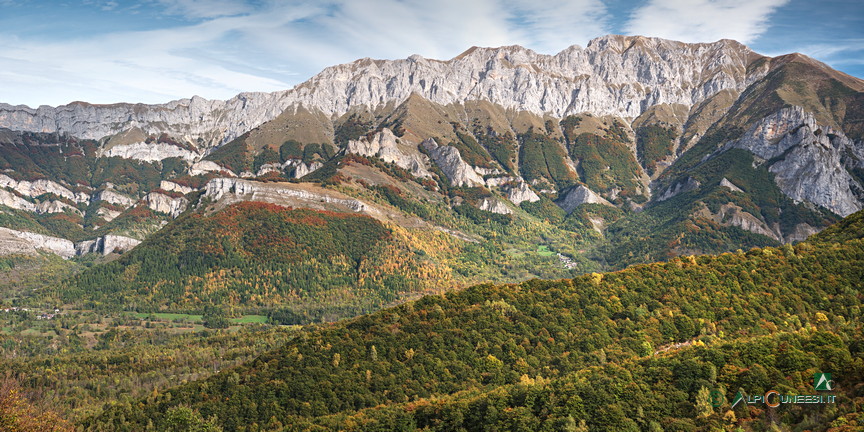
(638,349)
(254,254)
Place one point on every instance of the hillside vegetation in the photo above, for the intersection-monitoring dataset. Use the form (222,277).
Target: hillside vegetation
(637,349)
(255,254)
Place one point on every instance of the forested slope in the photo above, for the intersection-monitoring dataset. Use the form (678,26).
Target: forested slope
(628,350)
(254,254)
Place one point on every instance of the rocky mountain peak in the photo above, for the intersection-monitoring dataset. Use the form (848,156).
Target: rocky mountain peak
(614,75)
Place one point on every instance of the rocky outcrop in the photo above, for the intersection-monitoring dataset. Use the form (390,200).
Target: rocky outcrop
(166,204)
(807,159)
(300,169)
(205,166)
(687,185)
(728,185)
(9,199)
(521,192)
(106,244)
(113,197)
(450,161)
(40,187)
(494,205)
(800,233)
(733,215)
(107,214)
(149,152)
(268,168)
(45,207)
(577,196)
(389,148)
(28,243)
(287,194)
(498,181)
(174,187)
(777,133)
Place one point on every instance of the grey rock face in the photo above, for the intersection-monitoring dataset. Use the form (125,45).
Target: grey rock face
(520,193)
(728,185)
(389,148)
(165,204)
(811,166)
(9,199)
(448,158)
(150,152)
(174,187)
(678,188)
(733,215)
(494,205)
(203,167)
(106,244)
(108,214)
(13,241)
(297,169)
(42,186)
(579,195)
(800,233)
(113,197)
(234,190)
(55,207)
(214,122)
(613,75)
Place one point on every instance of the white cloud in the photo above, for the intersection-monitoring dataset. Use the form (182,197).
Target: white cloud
(830,50)
(270,45)
(553,25)
(703,20)
(204,8)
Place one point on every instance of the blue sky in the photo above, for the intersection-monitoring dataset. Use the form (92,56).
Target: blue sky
(153,51)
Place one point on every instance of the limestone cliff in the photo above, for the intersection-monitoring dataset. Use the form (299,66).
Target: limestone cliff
(810,162)
(579,195)
(166,204)
(389,148)
(451,163)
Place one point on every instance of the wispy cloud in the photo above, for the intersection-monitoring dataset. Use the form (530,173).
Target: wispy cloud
(703,20)
(107,51)
(223,47)
(553,25)
(831,50)
(195,9)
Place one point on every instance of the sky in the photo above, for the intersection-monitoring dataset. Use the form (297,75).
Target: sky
(154,51)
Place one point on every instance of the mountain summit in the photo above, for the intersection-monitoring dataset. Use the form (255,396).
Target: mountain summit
(614,75)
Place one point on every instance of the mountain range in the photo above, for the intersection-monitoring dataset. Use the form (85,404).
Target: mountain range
(625,236)
(629,150)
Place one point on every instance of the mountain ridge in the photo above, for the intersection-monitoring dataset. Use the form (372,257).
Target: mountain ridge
(249,110)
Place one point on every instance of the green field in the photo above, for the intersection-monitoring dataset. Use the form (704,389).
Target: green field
(260,319)
(169,316)
(543,250)
(246,319)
